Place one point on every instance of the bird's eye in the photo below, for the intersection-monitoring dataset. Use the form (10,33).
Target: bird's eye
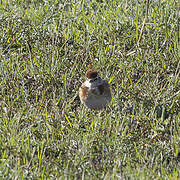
(92,80)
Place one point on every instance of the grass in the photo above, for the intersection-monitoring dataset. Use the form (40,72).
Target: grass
(45,50)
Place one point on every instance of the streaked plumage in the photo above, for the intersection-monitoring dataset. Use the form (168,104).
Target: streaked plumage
(94,93)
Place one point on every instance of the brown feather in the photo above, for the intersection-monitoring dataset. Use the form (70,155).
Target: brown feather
(83,92)
(91,73)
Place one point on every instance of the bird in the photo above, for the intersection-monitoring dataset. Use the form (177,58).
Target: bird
(95,92)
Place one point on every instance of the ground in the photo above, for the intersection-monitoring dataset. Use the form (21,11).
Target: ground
(45,50)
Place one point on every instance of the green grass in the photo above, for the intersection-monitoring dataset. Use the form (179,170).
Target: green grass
(45,49)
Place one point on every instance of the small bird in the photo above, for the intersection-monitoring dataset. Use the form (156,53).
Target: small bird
(95,92)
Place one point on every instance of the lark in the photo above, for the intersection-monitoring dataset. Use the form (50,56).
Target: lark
(95,92)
